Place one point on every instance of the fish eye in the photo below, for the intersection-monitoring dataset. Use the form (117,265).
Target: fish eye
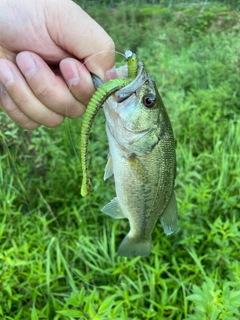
(149,100)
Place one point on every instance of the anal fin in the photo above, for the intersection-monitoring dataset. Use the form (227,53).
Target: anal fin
(169,218)
(113,209)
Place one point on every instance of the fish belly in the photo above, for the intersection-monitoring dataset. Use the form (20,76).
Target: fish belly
(143,188)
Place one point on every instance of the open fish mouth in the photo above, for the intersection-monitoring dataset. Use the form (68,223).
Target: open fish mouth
(128,90)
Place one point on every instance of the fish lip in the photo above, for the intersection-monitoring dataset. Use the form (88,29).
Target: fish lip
(133,86)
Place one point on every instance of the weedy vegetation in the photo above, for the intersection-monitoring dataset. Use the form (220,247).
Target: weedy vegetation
(58,251)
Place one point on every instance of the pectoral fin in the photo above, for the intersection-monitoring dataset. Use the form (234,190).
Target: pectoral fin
(169,218)
(113,209)
(109,168)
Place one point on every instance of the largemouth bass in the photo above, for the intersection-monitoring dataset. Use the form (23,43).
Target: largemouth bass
(143,161)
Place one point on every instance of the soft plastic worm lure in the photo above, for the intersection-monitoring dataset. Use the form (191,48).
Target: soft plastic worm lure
(132,64)
(97,100)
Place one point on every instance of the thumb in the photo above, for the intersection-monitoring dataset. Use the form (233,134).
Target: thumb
(76,32)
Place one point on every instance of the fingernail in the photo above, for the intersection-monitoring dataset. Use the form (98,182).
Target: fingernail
(111,74)
(26,64)
(6,75)
(71,72)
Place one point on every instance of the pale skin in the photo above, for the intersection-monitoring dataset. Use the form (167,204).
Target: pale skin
(43,47)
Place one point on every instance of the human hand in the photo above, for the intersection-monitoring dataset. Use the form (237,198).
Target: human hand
(43,45)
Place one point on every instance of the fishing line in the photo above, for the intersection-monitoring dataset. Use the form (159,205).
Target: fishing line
(15,169)
(103,51)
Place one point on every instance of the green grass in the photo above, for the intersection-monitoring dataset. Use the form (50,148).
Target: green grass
(58,251)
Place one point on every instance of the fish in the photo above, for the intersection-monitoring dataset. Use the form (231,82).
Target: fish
(142,156)
(142,159)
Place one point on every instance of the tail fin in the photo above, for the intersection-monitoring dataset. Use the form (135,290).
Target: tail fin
(130,247)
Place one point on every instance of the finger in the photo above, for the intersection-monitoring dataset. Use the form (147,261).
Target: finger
(14,112)
(23,97)
(78,79)
(49,88)
(83,37)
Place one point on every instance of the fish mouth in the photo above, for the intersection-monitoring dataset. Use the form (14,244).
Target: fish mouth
(128,90)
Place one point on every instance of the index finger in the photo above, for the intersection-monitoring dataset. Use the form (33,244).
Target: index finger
(84,38)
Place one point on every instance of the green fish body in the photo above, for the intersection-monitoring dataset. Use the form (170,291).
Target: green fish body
(143,161)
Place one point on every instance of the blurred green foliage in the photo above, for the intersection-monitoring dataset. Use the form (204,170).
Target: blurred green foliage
(58,251)
(86,4)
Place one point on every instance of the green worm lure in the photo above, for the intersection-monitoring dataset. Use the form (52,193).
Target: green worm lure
(132,64)
(96,102)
